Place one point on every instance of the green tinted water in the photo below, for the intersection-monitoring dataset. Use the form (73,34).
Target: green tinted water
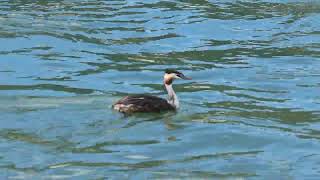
(250,112)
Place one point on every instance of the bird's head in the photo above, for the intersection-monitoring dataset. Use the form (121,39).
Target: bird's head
(171,74)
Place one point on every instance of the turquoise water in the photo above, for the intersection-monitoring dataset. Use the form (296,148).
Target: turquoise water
(250,112)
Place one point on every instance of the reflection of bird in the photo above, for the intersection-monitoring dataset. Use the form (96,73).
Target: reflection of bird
(147,103)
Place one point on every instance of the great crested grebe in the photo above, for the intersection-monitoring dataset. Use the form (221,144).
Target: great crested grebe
(147,103)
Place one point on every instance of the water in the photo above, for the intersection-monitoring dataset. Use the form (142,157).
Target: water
(250,112)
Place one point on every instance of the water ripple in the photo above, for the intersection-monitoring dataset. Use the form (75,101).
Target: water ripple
(251,110)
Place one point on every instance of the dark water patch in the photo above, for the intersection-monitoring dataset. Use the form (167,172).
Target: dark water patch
(256,98)
(56,79)
(199,174)
(150,164)
(253,110)
(17,135)
(53,87)
(144,40)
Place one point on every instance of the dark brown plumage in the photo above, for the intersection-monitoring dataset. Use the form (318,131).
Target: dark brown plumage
(142,103)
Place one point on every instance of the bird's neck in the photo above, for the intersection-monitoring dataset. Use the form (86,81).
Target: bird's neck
(172,97)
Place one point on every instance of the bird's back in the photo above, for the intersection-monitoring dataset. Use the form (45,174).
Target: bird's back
(142,103)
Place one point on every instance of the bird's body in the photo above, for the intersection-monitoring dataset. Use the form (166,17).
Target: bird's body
(142,103)
(148,103)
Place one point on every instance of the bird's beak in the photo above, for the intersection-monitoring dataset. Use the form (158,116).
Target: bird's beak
(185,77)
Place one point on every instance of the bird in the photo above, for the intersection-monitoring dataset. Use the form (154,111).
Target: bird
(148,103)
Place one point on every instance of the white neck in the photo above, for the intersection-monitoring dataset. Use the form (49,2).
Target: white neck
(172,97)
